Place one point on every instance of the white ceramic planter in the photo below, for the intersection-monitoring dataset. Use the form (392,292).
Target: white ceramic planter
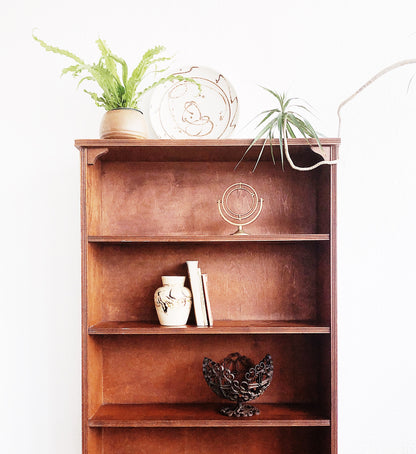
(123,123)
(173,301)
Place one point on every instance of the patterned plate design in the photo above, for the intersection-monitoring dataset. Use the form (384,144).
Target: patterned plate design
(179,110)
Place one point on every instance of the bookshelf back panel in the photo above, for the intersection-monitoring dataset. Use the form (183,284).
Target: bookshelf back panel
(253,281)
(168,369)
(151,198)
(207,441)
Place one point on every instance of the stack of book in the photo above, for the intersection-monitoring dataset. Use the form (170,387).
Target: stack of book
(199,288)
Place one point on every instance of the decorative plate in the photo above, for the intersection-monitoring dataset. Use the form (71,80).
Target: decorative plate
(179,110)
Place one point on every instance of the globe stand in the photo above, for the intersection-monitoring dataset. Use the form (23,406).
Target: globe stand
(240,219)
(239,231)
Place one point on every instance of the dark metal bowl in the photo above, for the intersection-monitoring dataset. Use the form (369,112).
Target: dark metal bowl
(238,379)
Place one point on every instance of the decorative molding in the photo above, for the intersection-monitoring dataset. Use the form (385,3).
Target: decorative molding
(94,153)
(325,152)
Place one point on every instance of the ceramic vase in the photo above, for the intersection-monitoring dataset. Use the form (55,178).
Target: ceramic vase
(173,301)
(123,123)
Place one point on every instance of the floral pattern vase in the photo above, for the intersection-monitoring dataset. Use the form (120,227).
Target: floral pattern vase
(173,301)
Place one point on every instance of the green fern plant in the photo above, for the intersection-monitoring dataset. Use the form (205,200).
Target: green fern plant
(119,89)
(284,121)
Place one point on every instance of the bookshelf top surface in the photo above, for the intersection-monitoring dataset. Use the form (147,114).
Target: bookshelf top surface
(226,150)
(172,143)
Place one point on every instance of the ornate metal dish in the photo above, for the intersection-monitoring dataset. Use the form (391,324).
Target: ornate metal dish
(238,379)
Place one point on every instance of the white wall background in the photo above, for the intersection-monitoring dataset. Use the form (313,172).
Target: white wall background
(320,50)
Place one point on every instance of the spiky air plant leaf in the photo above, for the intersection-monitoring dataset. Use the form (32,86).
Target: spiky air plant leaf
(110,73)
(284,121)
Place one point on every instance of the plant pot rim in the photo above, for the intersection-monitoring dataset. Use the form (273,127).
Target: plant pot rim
(125,108)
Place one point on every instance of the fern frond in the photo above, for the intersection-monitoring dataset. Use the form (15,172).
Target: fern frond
(74,69)
(141,69)
(124,68)
(100,102)
(106,80)
(108,59)
(85,78)
(57,50)
(162,81)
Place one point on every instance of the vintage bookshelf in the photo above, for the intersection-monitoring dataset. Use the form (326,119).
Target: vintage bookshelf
(148,206)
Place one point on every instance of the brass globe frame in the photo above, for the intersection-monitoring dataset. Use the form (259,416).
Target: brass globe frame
(231,216)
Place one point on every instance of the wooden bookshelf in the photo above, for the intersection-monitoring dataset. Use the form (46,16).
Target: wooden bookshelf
(149,206)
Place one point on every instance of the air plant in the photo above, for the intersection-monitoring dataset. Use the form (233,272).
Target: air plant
(118,90)
(284,121)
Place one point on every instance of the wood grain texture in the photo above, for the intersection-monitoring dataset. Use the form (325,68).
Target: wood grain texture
(256,282)
(145,198)
(84,298)
(220,327)
(253,440)
(93,199)
(91,352)
(228,150)
(280,238)
(168,369)
(323,274)
(194,143)
(95,153)
(332,276)
(206,415)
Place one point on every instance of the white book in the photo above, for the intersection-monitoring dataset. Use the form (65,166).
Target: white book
(207,301)
(195,281)
(203,304)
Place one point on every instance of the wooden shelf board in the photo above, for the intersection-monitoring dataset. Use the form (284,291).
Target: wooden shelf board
(193,143)
(220,327)
(203,415)
(285,238)
(165,150)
